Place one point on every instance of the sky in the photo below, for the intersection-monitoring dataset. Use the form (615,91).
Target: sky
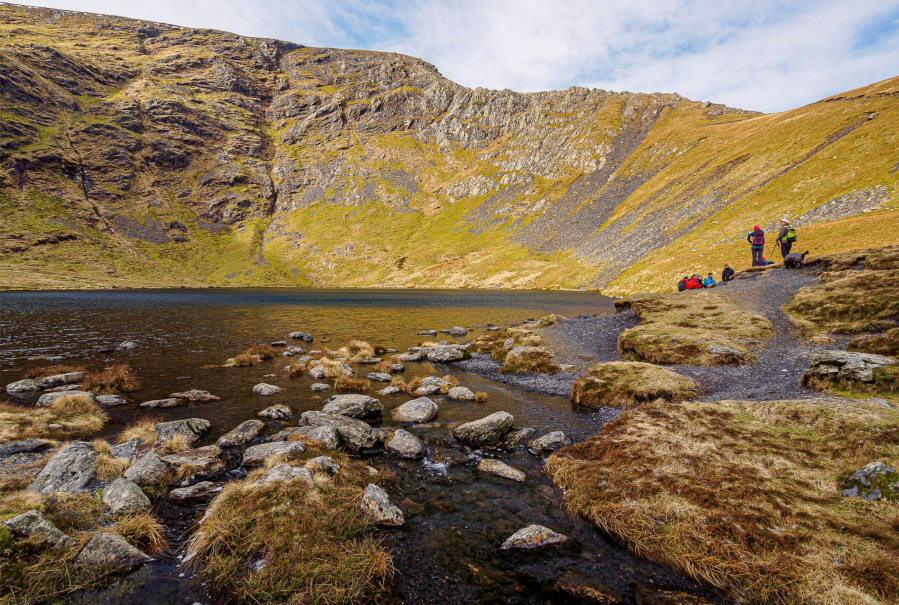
(764,55)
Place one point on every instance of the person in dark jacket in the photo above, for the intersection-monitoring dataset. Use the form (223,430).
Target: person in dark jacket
(756,238)
(786,237)
(794,260)
(682,284)
(727,274)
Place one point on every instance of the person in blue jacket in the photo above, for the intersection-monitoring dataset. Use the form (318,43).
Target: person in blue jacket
(708,282)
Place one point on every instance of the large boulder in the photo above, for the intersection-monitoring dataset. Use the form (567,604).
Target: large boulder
(533,537)
(57,380)
(258,454)
(286,472)
(355,434)
(191,428)
(241,434)
(416,410)
(110,552)
(34,524)
(204,460)
(326,435)
(355,406)
(266,389)
(873,481)
(835,365)
(443,353)
(500,469)
(376,503)
(406,445)
(548,443)
(124,496)
(27,385)
(486,431)
(69,470)
(47,399)
(148,471)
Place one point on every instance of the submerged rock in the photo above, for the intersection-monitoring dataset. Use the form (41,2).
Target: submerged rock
(68,470)
(110,552)
(258,454)
(277,412)
(34,524)
(548,443)
(533,537)
(376,503)
(266,389)
(416,410)
(355,406)
(243,433)
(873,481)
(500,469)
(486,431)
(195,395)
(191,428)
(286,472)
(406,445)
(124,496)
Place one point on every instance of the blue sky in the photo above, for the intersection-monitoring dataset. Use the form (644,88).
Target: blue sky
(761,54)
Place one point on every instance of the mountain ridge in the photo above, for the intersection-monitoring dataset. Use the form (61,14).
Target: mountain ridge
(136,153)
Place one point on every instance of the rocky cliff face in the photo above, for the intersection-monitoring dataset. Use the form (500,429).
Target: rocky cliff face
(139,153)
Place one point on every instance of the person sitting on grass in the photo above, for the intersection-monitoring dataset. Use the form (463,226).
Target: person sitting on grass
(709,281)
(727,274)
(694,283)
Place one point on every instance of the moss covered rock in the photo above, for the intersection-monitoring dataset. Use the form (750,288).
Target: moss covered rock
(629,383)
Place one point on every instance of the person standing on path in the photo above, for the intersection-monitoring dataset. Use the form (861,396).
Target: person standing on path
(786,237)
(757,239)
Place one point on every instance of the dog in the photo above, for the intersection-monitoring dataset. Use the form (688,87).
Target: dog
(794,260)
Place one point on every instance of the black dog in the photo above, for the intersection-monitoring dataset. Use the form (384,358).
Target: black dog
(794,260)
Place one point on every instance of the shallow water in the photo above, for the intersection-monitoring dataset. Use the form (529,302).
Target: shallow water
(448,551)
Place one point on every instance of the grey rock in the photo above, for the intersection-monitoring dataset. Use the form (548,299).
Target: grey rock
(397,368)
(127,346)
(266,390)
(388,391)
(20,447)
(206,460)
(426,389)
(110,552)
(27,385)
(723,351)
(318,371)
(34,524)
(408,357)
(286,472)
(355,434)
(874,481)
(124,496)
(243,433)
(195,395)
(443,353)
(296,335)
(318,387)
(147,471)
(258,454)
(435,381)
(416,410)
(191,428)
(370,361)
(355,406)
(486,431)
(111,401)
(171,402)
(548,443)
(277,412)
(324,464)
(517,438)
(500,469)
(406,445)
(533,537)
(326,435)
(461,393)
(458,331)
(47,399)
(60,379)
(379,377)
(881,402)
(127,449)
(837,365)
(427,333)
(376,503)
(192,494)
(68,470)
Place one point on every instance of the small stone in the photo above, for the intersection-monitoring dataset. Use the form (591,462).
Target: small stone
(286,472)
(266,390)
(370,361)
(324,464)
(277,412)
(198,492)
(426,389)
(127,346)
(500,469)
(376,503)
(33,523)
(379,377)
(318,387)
(548,443)
(427,333)
(458,331)
(406,445)
(195,395)
(110,552)
(462,394)
(279,343)
(258,454)
(171,402)
(124,496)
(111,401)
(533,537)
(416,410)
(243,433)
(388,391)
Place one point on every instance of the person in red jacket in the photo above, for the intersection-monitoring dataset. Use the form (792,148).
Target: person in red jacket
(694,283)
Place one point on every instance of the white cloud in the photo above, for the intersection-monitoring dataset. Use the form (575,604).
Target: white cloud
(756,54)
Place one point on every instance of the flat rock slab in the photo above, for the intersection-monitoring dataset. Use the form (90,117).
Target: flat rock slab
(426,389)
(191,428)
(406,445)
(276,412)
(548,443)
(34,524)
(416,410)
(388,391)
(68,470)
(379,377)
(124,496)
(846,365)
(110,552)
(354,406)
(376,503)
(111,401)
(20,447)
(500,469)
(326,435)
(286,472)
(206,460)
(486,431)
(195,395)
(171,402)
(355,434)
(198,492)
(243,433)
(60,379)
(533,537)
(258,454)
(266,389)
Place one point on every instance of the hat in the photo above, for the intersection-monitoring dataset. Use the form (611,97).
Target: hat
(756,228)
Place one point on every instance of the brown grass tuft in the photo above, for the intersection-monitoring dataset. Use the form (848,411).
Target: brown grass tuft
(143,429)
(346,383)
(108,466)
(493,343)
(115,379)
(76,416)
(262,351)
(356,350)
(480,396)
(538,361)
(143,531)
(296,369)
(177,443)
(41,373)
(627,384)
(332,368)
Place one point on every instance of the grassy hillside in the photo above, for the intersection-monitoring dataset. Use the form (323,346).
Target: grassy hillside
(143,154)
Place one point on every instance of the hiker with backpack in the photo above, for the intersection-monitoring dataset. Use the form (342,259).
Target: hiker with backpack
(757,239)
(708,282)
(786,237)
(682,284)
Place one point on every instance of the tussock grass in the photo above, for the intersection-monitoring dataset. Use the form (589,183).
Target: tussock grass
(244,360)
(356,350)
(41,373)
(108,465)
(117,378)
(69,417)
(884,344)
(142,530)
(679,328)
(450,382)
(332,368)
(143,429)
(493,343)
(316,544)
(627,384)
(538,361)
(262,351)
(346,383)
(480,396)
(176,443)
(745,496)
(384,366)
(296,369)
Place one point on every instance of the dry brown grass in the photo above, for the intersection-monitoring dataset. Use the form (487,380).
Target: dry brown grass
(296,369)
(177,443)
(244,360)
(744,496)
(332,368)
(262,351)
(143,429)
(356,350)
(384,366)
(450,382)
(679,328)
(346,383)
(627,384)
(108,466)
(871,259)
(143,531)
(41,373)
(884,344)
(492,343)
(480,396)
(317,544)
(538,361)
(117,378)
(76,416)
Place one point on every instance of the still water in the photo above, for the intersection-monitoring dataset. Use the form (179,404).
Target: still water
(448,551)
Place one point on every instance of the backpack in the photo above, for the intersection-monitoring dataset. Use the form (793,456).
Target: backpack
(758,238)
(791,234)
(682,285)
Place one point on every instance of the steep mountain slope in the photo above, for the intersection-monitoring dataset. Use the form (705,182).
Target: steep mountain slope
(136,153)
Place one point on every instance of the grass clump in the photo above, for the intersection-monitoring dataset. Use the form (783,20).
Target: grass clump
(142,429)
(627,384)
(108,465)
(528,359)
(385,365)
(69,417)
(332,368)
(680,329)
(480,396)
(287,543)
(356,350)
(117,378)
(745,496)
(883,344)
(262,351)
(495,343)
(45,372)
(143,531)
(345,383)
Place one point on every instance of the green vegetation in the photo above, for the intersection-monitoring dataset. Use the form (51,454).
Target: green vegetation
(530,359)
(745,496)
(627,384)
